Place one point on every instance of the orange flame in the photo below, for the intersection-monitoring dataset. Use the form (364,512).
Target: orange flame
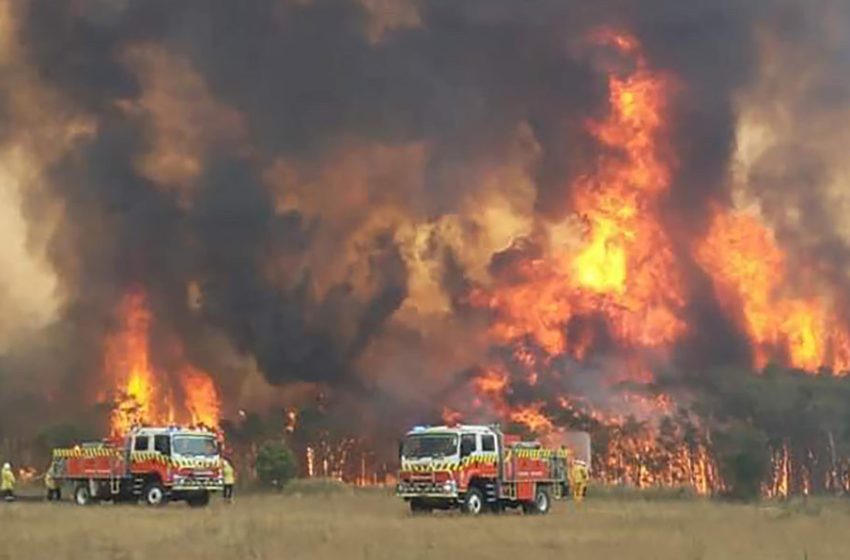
(625,271)
(201,397)
(127,361)
(492,382)
(749,272)
(533,417)
(451,417)
(145,395)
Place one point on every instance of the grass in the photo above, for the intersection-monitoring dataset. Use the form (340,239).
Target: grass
(625,493)
(318,522)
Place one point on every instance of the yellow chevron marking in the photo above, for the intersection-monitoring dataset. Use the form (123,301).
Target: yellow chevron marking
(79,452)
(488,459)
(136,456)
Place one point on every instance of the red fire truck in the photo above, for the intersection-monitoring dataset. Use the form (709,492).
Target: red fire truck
(156,465)
(478,468)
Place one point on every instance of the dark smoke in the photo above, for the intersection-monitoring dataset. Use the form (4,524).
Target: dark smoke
(306,79)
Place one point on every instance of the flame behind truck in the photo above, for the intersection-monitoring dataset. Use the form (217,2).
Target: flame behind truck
(155,465)
(478,468)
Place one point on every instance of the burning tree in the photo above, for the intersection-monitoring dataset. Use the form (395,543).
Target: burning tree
(543,214)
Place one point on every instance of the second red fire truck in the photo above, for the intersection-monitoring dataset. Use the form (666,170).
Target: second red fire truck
(478,468)
(155,465)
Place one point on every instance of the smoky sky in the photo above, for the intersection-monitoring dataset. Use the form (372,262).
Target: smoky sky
(303,75)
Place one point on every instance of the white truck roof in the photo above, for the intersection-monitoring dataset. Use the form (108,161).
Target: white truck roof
(163,430)
(451,429)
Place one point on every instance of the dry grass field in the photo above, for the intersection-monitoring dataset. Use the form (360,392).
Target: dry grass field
(374,525)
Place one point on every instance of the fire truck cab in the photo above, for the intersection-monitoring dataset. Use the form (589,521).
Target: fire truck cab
(156,464)
(478,468)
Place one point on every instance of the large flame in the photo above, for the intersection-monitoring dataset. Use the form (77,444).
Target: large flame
(750,272)
(146,395)
(201,396)
(128,366)
(624,272)
(624,269)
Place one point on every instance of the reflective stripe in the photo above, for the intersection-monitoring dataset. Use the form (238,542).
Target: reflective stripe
(480,459)
(485,459)
(86,452)
(138,457)
(183,462)
(522,453)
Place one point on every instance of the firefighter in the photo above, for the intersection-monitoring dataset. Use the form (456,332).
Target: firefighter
(7,483)
(54,492)
(579,477)
(229,476)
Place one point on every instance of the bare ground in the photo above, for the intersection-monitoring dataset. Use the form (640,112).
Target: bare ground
(374,525)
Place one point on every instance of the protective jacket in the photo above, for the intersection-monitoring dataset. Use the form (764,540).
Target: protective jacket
(579,475)
(7,480)
(49,481)
(229,473)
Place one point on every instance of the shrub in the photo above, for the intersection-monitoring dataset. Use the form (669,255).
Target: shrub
(275,465)
(742,456)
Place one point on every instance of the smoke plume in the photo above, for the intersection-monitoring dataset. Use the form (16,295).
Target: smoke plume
(354,195)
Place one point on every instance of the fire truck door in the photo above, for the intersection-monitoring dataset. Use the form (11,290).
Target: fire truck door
(484,455)
(468,447)
(141,443)
(162,443)
(488,444)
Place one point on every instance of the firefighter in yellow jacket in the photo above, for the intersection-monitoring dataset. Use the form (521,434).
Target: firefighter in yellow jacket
(579,477)
(229,476)
(7,483)
(54,492)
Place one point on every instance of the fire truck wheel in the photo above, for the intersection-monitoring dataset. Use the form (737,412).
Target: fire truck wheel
(82,496)
(541,503)
(154,494)
(473,503)
(418,507)
(199,500)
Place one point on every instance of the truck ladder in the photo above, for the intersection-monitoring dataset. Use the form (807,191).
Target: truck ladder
(491,492)
(114,479)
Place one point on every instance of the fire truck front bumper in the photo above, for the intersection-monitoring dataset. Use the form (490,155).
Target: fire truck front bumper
(426,489)
(189,483)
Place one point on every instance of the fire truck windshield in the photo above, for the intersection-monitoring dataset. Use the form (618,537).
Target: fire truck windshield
(195,445)
(429,445)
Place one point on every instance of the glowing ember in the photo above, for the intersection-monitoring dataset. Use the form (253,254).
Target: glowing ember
(291,421)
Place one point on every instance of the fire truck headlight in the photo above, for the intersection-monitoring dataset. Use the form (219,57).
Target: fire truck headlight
(449,486)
